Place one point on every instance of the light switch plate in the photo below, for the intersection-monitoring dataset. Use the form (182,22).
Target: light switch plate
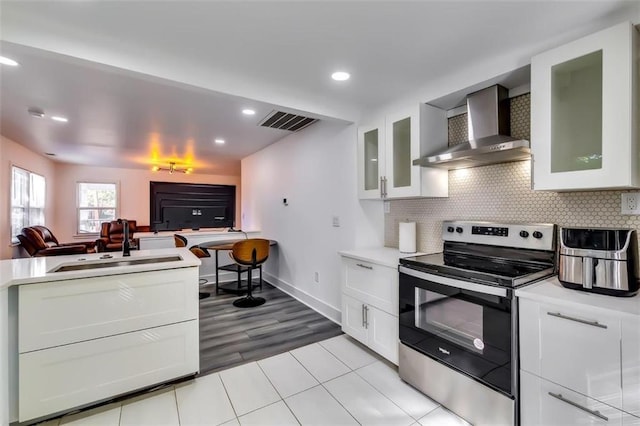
(336,221)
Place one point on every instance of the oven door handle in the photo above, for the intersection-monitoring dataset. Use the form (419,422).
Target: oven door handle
(466,285)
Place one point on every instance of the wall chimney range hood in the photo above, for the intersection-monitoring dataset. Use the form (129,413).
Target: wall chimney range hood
(489,143)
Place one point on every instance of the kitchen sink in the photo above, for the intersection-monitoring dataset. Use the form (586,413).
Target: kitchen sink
(114,263)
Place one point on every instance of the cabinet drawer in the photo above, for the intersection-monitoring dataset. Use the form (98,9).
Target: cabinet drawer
(63,312)
(57,379)
(545,403)
(371,283)
(578,349)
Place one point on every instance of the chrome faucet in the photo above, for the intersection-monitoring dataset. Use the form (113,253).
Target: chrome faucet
(126,248)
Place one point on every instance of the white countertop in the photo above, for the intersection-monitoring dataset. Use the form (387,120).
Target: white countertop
(551,291)
(209,232)
(38,269)
(385,256)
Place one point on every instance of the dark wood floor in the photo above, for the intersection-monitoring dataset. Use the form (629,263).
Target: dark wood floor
(231,336)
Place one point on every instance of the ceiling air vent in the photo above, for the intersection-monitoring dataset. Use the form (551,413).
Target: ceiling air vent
(286,121)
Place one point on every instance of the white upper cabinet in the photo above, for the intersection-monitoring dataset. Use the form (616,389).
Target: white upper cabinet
(386,152)
(584,113)
(370,161)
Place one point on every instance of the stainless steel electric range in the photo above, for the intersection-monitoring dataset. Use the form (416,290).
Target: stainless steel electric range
(459,317)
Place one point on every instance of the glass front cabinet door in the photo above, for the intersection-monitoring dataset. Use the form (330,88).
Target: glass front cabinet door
(401,149)
(386,152)
(411,134)
(584,113)
(371,162)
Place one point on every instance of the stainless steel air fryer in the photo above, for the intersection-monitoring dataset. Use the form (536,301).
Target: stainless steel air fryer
(600,260)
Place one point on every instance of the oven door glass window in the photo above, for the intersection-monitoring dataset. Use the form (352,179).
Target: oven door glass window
(455,320)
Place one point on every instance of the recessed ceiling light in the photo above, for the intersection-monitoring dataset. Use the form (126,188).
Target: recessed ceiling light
(340,76)
(8,61)
(35,112)
(60,119)
(248,111)
(219,141)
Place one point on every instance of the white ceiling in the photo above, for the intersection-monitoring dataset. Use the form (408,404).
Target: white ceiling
(121,118)
(273,52)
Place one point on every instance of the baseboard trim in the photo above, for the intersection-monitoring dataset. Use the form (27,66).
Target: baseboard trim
(323,308)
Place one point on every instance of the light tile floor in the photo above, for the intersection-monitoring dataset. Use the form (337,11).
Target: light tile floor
(333,382)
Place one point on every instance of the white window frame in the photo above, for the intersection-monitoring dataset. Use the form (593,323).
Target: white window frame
(79,208)
(29,197)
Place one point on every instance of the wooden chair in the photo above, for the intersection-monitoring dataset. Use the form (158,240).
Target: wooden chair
(251,253)
(200,253)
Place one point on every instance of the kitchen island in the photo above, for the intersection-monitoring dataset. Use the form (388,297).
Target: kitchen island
(78,330)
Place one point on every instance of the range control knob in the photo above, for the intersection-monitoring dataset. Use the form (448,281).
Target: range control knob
(537,234)
(524,234)
(459,230)
(450,229)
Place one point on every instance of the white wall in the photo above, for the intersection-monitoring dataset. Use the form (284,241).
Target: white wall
(14,154)
(315,170)
(133,197)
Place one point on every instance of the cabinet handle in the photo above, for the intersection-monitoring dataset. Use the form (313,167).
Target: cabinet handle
(364,266)
(384,183)
(363,316)
(381,187)
(366,316)
(585,409)
(593,323)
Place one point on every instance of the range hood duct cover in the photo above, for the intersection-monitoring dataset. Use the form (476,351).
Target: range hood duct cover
(489,121)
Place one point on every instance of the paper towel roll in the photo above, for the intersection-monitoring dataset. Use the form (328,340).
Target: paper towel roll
(407,237)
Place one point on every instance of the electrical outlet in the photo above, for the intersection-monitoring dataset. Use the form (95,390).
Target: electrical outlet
(630,203)
(336,221)
(387,207)
(316,277)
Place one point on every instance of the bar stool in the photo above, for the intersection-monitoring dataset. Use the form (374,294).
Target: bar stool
(200,253)
(251,253)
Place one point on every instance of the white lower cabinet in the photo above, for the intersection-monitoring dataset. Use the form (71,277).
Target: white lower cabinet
(83,341)
(578,361)
(576,348)
(108,305)
(370,301)
(56,379)
(631,367)
(546,403)
(382,333)
(371,326)
(353,318)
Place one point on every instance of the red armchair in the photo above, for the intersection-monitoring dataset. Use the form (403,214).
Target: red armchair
(40,241)
(112,235)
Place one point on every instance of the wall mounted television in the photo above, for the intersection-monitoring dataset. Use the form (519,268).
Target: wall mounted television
(176,206)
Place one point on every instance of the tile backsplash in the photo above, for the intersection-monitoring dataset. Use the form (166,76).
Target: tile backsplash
(502,193)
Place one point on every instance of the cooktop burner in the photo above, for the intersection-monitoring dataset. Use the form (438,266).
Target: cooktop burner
(495,254)
(487,270)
